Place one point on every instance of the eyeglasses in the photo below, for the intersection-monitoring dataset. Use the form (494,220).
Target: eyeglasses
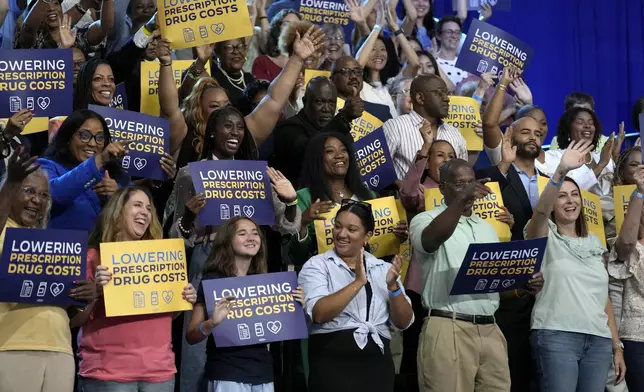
(349,71)
(452,32)
(338,38)
(406,92)
(32,192)
(351,202)
(87,136)
(228,48)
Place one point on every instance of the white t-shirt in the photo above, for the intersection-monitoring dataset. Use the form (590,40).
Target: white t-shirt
(378,94)
(456,75)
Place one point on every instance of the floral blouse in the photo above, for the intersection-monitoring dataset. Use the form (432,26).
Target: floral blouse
(631,272)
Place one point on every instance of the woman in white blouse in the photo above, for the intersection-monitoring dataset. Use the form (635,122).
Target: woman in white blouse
(352,298)
(572,319)
(595,174)
(627,264)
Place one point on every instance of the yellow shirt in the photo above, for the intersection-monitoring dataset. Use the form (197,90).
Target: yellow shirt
(33,327)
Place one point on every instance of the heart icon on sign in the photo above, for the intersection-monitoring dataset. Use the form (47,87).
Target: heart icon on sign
(249,211)
(374,181)
(167,296)
(43,102)
(140,163)
(373,248)
(56,288)
(274,326)
(507,283)
(217,28)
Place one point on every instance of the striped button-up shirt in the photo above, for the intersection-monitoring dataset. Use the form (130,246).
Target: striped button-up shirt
(404,140)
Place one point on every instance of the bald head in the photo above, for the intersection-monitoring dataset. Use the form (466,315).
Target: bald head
(430,96)
(526,135)
(320,100)
(316,84)
(346,74)
(451,170)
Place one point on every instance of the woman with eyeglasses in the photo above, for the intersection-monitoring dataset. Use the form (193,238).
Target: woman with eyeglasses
(81,163)
(334,40)
(35,340)
(226,67)
(46,27)
(188,121)
(126,353)
(352,298)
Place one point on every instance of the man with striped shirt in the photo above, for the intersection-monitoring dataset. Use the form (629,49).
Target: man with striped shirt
(430,100)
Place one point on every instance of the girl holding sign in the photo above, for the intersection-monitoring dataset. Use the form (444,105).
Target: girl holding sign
(352,298)
(35,341)
(572,320)
(131,352)
(239,249)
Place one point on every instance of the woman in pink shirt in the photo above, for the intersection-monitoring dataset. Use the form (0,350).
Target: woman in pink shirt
(126,353)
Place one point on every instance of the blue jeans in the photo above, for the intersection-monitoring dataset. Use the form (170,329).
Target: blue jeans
(634,358)
(91,385)
(568,361)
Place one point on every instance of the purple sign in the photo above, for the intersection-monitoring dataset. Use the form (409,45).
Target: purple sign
(40,80)
(641,122)
(475,5)
(490,49)
(332,12)
(263,310)
(374,161)
(233,188)
(119,100)
(150,135)
(40,266)
(496,267)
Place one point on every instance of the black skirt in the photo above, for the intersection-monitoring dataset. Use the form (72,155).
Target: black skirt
(337,364)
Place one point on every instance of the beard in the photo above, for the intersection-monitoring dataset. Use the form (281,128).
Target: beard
(523,152)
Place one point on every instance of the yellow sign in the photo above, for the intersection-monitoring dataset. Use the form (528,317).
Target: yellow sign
(464,113)
(150,83)
(37,124)
(361,127)
(383,242)
(187,24)
(487,208)
(147,277)
(592,210)
(311,73)
(622,197)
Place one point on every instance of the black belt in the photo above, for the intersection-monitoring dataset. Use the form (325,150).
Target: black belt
(471,318)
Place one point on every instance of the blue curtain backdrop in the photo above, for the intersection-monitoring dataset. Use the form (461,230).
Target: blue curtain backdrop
(595,46)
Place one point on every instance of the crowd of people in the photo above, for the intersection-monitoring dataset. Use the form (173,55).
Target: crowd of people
(374,324)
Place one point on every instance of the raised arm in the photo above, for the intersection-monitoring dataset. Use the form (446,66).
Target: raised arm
(358,14)
(461,10)
(169,97)
(411,195)
(628,235)
(197,70)
(29,28)
(4,9)
(101,28)
(491,131)
(413,62)
(573,158)
(411,16)
(263,119)
(442,227)
(364,53)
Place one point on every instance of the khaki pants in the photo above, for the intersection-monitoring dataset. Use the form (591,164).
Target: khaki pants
(36,371)
(458,356)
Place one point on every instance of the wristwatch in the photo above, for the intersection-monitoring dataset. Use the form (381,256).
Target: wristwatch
(618,346)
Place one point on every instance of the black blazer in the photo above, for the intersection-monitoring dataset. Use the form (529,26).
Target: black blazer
(515,197)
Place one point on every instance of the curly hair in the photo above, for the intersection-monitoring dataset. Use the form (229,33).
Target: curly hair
(565,125)
(275,30)
(193,112)
(620,165)
(289,33)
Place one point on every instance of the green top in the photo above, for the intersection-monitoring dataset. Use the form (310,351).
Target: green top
(299,251)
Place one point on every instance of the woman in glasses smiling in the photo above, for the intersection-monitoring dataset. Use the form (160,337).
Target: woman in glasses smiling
(351,298)
(81,163)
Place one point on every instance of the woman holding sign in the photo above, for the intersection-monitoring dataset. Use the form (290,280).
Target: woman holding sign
(239,249)
(132,353)
(352,298)
(35,340)
(572,319)
(81,163)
